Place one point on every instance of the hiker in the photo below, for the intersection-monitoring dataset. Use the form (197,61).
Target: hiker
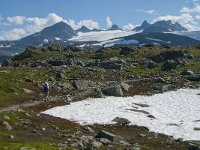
(46,90)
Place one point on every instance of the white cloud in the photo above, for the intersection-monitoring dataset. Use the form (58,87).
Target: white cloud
(128,27)
(18,20)
(13,34)
(108,22)
(197,17)
(186,20)
(151,12)
(195,9)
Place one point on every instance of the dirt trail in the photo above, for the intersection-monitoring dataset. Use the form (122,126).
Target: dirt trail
(25,104)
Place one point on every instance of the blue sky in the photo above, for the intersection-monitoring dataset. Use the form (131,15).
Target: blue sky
(19,18)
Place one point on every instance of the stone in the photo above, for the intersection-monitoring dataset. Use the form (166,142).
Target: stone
(6,117)
(11,136)
(193,147)
(60,75)
(96,145)
(56,62)
(194,77)
(186,72)
(24,148)
(168,87)
(125,143)
(125,87)
(105,141)
(121,121)
(115,90)
(111,137)
(81,84)
(6,125)
(27,91)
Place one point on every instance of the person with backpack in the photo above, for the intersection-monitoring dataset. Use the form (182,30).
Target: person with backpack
(46,90)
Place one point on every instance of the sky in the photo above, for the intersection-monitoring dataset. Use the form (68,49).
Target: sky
(19,18)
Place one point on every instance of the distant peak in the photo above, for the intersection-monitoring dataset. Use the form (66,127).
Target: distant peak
(115,27)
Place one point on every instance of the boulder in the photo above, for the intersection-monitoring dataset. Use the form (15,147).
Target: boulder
(96,145)
(112,64)
(171,55)
(115,90)
(171,65)
(121,121)
(111,137)
(56,62)
(60,75)
(194,77)
(186,72)
(81,84)
(150,64)
(168,87)
(6,125)
(125,87)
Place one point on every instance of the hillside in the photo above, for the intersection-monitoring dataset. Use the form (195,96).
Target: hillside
(75,74)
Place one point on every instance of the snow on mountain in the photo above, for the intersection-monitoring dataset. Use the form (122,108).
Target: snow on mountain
(100,35)
(120,41)
(176,113)
(191,34)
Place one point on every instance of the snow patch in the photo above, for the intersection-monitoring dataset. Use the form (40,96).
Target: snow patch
(176,113)
(101,35)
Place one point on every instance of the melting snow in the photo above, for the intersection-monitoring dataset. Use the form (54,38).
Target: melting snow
(101,35)
(177,113)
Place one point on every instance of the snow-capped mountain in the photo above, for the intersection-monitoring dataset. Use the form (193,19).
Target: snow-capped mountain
(143,26)
(62,33)
(164,26)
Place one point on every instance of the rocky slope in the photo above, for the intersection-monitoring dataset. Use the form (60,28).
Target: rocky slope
(78,73)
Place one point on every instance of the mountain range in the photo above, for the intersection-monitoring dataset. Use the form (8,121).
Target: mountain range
(160,32)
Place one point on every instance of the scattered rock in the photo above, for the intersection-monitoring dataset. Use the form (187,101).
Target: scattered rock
(6,125)
(194,77)
(186,72)
(11,136)
(168,87)
(27,91)
(121,121)
(141,105)
(111,137)
(81,85)
(96,145)
(125,87)
(6,117)
(113,91)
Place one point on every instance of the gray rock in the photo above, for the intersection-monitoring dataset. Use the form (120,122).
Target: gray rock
(81,84)
(111,137)
(105,141)
(193,147)
(150,64)
(6,117)
(168,87)
(121,121)
(194,77)
(6,125)
(27,91)
(56,62)
(125,87)
(115,90)
(60,75)
(112,64)
(96,145)
(130,77)
(24,148)
(187,72)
